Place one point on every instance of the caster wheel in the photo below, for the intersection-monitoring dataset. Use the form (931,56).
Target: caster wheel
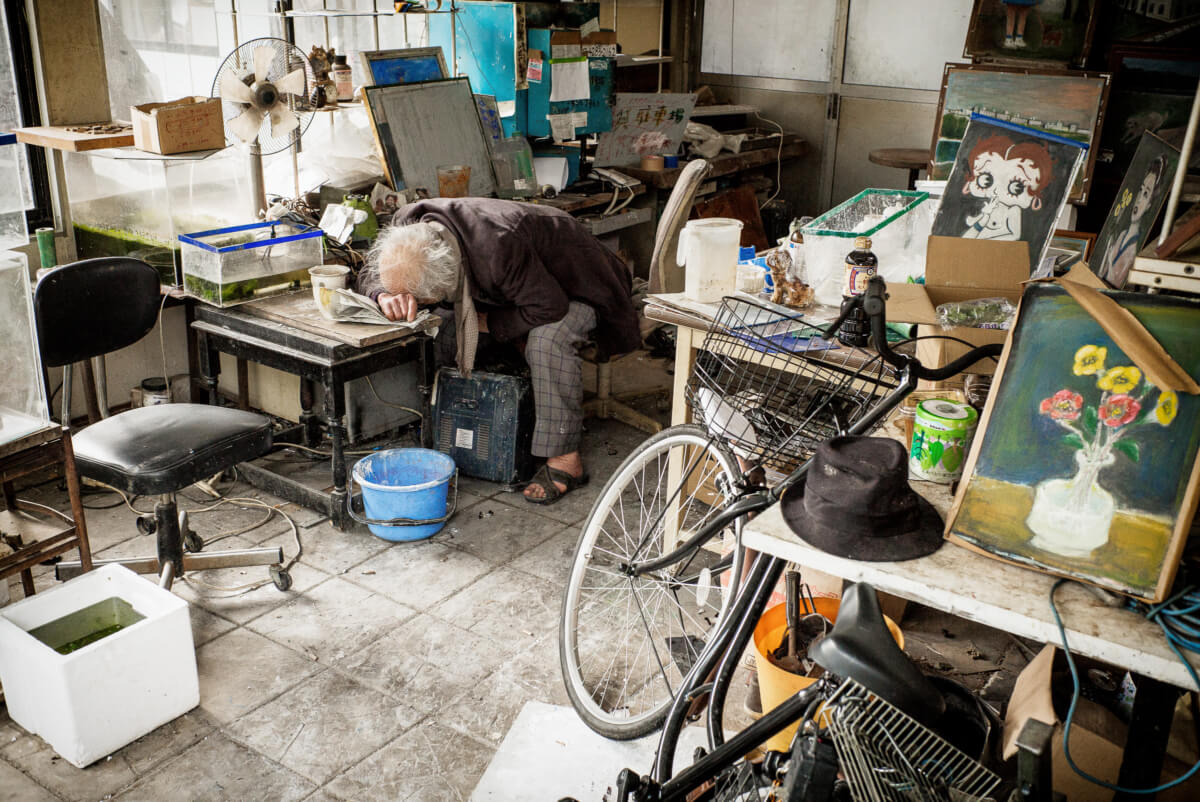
(281,578)
(193,542)
(146,524)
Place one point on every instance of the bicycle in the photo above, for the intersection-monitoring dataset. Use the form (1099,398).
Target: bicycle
(765,406)
(768,391)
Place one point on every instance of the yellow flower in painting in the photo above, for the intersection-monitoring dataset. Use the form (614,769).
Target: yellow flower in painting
(1167,407)
(1120,380)
(1090,359)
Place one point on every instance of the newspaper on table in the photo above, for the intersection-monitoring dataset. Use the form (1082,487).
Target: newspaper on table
(347,306)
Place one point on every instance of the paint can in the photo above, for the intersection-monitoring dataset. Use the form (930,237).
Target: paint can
(155,391)
(942,432)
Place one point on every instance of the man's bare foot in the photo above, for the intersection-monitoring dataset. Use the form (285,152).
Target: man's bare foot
(567,463)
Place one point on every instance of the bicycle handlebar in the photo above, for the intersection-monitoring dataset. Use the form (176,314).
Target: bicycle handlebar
(873,302)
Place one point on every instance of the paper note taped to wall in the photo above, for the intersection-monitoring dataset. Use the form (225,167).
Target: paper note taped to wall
(569,79)
(534,72)
(579,119)
(562,126)
(508,108)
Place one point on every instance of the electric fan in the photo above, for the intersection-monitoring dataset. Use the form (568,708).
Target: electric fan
(263,86)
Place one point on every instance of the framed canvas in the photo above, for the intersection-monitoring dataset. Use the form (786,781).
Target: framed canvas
(405,66)
(1009,182)
(1059,102)
(1143,191)
(419,127)
(1081,467)
(1079,242)
(1058,31)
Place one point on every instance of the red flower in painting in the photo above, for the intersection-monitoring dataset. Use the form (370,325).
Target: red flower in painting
(1119,410)
(1063,405)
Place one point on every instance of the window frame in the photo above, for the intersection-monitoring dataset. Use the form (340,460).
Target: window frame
(20,46)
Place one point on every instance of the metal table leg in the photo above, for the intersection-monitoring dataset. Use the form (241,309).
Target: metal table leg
(335,411)
(1146,742)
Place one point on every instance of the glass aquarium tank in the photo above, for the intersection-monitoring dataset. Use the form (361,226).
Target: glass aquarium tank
(125,202)
(898,223)
(231,265)
(13,232)
(23,406)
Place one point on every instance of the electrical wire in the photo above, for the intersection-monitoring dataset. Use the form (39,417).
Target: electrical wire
(1156,614)
(778,162)
(379,398)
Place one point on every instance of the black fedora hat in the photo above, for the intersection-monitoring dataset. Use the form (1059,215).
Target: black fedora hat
(855,502)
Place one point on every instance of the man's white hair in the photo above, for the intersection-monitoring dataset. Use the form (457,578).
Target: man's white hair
(415,259)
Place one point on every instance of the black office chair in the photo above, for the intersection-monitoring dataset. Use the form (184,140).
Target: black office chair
(96,306)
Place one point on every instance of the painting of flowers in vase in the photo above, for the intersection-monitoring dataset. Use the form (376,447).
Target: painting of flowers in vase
(1083,467)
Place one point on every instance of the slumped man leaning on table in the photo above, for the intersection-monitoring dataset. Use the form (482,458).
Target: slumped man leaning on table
(527,275)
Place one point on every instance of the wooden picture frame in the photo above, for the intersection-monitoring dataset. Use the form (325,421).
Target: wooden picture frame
(1082,241)
(1070,412)
(403,66)
(419,127)
(1034,86)
(988,22)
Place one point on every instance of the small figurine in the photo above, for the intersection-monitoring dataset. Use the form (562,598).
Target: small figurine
(792,293)
(325,90)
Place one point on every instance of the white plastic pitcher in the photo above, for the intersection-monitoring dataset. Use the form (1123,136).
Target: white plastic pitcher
(709,250)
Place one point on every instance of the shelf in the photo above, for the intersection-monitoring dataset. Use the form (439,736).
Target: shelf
(727,108)
(640,61)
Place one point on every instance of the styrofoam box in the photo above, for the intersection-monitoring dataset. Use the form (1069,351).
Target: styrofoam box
(95,700)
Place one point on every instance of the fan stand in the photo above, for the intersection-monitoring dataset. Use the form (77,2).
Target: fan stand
(258,190)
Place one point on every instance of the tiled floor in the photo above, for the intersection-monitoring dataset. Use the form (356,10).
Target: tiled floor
(389,671)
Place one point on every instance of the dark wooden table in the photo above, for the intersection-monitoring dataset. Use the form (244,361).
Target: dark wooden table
(285,333)
(724,163)
(912,159)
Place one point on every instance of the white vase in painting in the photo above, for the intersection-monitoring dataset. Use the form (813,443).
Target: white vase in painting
(1072,517)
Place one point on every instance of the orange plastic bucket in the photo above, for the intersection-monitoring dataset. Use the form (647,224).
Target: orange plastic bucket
(776,685)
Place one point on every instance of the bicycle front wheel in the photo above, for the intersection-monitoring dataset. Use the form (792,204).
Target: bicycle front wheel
(626,642)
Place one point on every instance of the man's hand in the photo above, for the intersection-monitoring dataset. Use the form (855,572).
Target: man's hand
(483,322)
(401,306)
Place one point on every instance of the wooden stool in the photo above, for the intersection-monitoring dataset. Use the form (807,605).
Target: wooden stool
(912,159)
(39,533)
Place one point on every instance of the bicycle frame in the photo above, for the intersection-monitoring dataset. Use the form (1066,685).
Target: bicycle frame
(733,632)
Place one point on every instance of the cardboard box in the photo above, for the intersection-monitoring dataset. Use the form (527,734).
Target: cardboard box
(1097,736)
(959,269)
(96,699)
(178,126)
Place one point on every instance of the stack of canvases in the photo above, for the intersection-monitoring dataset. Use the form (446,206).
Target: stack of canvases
(1085,464)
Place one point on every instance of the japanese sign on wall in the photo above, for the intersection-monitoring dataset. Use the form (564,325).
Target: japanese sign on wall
(644,124)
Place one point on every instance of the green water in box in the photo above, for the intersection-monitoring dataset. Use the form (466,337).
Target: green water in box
(93,241)
(88,625)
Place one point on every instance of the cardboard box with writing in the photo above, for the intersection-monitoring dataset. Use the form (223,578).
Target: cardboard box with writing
(178,126)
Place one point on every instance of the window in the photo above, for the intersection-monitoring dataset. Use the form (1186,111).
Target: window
(19,106)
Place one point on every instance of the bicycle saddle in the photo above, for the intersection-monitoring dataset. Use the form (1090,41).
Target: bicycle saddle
(861,648)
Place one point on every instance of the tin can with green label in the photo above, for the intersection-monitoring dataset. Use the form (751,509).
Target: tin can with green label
(942,432)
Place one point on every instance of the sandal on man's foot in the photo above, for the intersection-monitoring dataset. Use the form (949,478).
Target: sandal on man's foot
(545,478)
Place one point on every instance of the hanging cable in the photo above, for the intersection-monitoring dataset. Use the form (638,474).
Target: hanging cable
(1182,606)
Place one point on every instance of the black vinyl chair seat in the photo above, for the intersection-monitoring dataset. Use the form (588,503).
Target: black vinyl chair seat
(159,449)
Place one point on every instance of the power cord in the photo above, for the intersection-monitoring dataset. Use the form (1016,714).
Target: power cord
(1179,607)
(778,162)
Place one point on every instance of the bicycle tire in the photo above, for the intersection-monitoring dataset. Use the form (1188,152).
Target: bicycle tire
(625,642)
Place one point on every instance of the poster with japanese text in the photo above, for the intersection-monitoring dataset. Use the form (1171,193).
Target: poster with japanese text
(644,124)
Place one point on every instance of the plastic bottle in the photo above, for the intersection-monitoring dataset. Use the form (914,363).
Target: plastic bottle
(512,160)
(861,265)
(343,78)
(795,249)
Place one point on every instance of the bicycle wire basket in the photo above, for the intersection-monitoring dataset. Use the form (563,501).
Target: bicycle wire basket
(776,387)
(886,755)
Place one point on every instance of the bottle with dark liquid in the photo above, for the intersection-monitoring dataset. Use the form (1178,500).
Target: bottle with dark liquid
(861,265)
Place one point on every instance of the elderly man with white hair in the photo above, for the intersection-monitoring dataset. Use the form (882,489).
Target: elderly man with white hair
(525,274)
